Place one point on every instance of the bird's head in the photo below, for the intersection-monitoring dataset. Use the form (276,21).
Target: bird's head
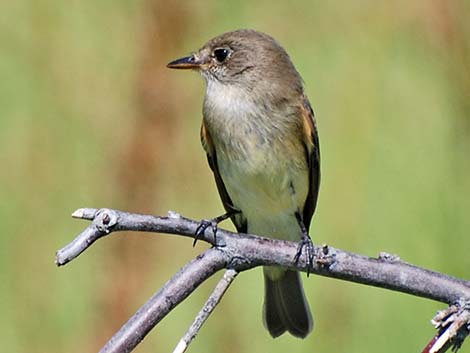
(244,57)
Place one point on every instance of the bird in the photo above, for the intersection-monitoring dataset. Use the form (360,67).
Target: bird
(260,136)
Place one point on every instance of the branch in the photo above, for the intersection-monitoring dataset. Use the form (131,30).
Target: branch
(159,305)
(242,252)
(453,325)
(207,309)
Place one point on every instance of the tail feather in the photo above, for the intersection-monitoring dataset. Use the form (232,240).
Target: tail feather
(285,305)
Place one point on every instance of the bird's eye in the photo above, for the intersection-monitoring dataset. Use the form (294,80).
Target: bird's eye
(221,54)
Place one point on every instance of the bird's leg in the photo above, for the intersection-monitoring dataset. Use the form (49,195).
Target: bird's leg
(305,242)
(205,223)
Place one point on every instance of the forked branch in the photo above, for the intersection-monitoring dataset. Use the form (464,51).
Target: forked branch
(239,252)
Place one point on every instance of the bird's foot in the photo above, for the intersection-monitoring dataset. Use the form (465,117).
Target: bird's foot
(306,246)
(206,223)
(203,225)
(305,242)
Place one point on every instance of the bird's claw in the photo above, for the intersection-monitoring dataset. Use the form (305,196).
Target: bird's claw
(306,243)
(201,228)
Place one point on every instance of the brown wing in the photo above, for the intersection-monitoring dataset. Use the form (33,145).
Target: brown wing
(312,149)
(238,219)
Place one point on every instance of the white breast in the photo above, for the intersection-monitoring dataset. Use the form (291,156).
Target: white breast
(229,102)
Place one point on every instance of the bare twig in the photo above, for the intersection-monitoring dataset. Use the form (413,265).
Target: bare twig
(207,309)
(453,324)
(243,251)
(105,221)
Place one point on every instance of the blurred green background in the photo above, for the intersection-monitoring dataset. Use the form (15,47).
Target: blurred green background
(90,116)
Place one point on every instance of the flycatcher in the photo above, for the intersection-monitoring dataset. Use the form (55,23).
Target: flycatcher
(261,140)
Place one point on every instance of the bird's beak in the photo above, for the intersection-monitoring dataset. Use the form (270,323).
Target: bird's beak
(188,62)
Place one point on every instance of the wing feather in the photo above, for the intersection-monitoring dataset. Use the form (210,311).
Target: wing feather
(238,219)
(312,149)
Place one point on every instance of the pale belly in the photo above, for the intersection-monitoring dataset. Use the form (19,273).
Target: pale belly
(260,158)
(268,191)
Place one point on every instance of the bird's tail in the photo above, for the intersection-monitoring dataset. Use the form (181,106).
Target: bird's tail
(285,306)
